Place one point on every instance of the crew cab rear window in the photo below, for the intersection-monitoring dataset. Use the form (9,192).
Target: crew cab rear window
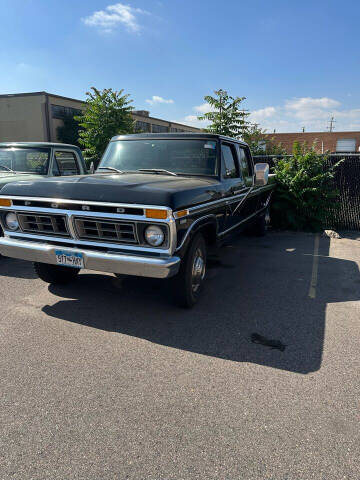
(229,161)
(245,165)
(66,163)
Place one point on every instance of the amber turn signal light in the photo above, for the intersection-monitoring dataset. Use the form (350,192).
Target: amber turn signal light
(181,213)
(153,213)
(5,202)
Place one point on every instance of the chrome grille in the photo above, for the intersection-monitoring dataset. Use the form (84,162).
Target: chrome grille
(95,229)
(43,224)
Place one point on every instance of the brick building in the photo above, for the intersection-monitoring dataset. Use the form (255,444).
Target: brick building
(334,142)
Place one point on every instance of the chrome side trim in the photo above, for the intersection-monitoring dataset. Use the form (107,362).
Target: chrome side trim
(242,221)
(227,200)
(191,227)
(230,199)
(210,204)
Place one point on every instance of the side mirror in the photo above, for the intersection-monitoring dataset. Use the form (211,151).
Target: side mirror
(261,174)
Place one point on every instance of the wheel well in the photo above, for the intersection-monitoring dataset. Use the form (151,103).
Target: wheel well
(209,233)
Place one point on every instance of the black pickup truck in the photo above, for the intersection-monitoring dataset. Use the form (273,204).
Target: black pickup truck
(156,204)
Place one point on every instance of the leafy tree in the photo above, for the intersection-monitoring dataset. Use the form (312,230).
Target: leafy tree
(305,192)
(226,116)
(255,138)
(107,113)
(260,144)
(69,131)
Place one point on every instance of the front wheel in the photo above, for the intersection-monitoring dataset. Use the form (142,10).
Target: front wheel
(55,274)
(189,282)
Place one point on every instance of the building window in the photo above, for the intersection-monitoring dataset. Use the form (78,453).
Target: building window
(176,130)
(159,128)
(60,112)
(346,145)
(142,126)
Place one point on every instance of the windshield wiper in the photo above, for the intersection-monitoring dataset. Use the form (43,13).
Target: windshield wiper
(156,170)
(111,168)
(7,168)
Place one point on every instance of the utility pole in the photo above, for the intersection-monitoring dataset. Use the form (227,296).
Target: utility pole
(331,126)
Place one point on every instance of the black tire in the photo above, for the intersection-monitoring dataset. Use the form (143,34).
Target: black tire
(189,282)
(55,274)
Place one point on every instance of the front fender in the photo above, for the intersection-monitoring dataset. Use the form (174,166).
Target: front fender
(207,223)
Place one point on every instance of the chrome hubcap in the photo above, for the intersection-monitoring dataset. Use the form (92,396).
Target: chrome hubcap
(198,270)
(267,217)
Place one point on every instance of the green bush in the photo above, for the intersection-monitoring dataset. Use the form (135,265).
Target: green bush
(305,190)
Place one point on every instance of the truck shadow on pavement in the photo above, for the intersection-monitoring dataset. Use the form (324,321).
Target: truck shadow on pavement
(10,267)
(257,286)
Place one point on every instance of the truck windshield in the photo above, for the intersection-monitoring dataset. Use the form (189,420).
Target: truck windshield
(24,160)
(189,157)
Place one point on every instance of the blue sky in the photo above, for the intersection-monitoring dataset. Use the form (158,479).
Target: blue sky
(296,62)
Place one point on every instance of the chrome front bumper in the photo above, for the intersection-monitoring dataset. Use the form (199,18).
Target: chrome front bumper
(125,264)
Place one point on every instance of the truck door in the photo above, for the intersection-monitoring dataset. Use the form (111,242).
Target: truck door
(234,184)
(249,205)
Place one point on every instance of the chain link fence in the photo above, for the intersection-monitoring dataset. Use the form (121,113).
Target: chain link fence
(346,214)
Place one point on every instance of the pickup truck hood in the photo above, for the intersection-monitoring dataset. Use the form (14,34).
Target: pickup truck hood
(8,177)
(137,188)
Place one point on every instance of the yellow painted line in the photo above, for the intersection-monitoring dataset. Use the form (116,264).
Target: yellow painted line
(314,274)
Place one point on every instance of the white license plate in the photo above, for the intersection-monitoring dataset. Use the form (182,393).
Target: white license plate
(69,259)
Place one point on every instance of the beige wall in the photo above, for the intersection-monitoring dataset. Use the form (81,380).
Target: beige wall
(22,119)
(165,123)
(56,122)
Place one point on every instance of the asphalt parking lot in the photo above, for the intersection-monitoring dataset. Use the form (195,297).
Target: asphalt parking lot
(105,379)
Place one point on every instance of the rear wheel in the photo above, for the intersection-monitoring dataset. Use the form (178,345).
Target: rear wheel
(55,274)
(188,283)
(260,225)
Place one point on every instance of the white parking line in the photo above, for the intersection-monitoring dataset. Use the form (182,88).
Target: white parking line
(314,274)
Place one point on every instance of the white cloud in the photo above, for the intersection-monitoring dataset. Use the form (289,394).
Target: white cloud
(114,15)
(308,112)
(307,103)
(292,115)
(262,113)
(203,108)
(192,121)
(156,99)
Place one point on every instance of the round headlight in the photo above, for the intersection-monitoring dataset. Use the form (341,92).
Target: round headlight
(11,221)
(154,236)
